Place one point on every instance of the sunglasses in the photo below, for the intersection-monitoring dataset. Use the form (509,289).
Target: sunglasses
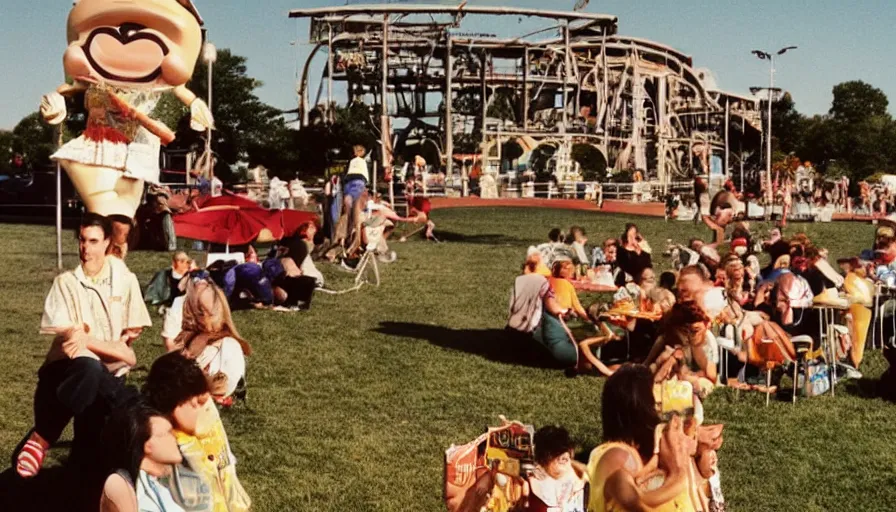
(199,275)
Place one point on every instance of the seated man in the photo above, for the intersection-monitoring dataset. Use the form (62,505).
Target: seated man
(95,313)
(177,388)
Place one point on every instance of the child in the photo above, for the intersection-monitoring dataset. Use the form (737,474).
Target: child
(558,482)
(178,389)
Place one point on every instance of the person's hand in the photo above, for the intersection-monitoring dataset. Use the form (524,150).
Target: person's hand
(126,354)
(673,456)
(710,436)
(201,116)
(52,108)
(74,341)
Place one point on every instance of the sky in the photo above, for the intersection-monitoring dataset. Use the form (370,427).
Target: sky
(838,41)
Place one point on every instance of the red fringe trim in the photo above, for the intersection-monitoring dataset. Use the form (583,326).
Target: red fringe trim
(101,133)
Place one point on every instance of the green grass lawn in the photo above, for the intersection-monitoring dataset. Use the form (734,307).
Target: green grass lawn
(352,404)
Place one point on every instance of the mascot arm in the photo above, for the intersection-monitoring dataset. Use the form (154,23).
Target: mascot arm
(200,116)
(52,105)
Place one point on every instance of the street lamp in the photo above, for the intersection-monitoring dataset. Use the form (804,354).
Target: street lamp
(763,55)
(209,56)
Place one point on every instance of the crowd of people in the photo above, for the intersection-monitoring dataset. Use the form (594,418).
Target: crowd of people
(164,447)
(718,319)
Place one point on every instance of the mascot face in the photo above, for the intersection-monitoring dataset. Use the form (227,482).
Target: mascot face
(133,42)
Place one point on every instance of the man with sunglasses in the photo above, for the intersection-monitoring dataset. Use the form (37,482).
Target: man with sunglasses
(94,312)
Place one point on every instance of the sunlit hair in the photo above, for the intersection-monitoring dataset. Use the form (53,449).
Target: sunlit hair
(576,230)
(692,270)
(206,311)
(559,267)
(677,329)
(531,263)
(180,256)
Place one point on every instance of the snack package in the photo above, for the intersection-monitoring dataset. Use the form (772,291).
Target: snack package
(676,397)
(486,473)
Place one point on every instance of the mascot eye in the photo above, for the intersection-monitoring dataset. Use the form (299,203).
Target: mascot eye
(130,29)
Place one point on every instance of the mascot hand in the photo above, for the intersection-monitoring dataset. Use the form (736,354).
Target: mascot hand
(200,116)
(52,108)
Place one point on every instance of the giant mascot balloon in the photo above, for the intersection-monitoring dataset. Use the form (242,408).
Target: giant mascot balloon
(124,55)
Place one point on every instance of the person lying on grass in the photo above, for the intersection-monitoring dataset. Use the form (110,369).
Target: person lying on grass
(179,390)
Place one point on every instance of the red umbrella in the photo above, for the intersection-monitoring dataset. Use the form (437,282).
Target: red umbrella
(229,225)
(227,199)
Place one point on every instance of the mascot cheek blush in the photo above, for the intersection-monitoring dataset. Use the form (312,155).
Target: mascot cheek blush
(124,55)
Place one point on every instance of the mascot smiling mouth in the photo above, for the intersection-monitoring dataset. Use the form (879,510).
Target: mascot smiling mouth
(125,53)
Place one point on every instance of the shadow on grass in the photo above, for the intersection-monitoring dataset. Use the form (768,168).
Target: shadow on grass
(484,239)
(862,388)
(493,344)
(55,488)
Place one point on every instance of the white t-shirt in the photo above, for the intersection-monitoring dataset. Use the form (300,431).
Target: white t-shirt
(309,269)
(358,166)
(714,302)
(225,357)
(174,318)
(217,187)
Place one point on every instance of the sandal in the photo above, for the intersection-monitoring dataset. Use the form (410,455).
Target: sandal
(30,459)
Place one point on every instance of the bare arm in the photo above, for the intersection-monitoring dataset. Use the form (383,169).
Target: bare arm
(112,351)
(118,496)
(71,89)
(622,488)
(185,95)
(552,306)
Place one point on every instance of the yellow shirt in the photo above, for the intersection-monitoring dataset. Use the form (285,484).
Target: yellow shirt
(565,293)
(598,503)
(207,452)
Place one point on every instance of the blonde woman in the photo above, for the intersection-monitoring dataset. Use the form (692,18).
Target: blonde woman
(209,337)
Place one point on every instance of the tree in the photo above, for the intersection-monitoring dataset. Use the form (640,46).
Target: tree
(591,161)
(35,141)
(856,101)
(7,141)
(788,126)
(247,130)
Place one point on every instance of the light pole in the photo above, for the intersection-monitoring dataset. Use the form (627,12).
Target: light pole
(209,56)
(763,55)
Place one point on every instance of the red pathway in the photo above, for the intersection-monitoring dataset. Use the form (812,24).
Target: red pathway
(610,206)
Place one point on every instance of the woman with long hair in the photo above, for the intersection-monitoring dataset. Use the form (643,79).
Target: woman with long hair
(139,449)
(630,422)
(210,337)
(631,255)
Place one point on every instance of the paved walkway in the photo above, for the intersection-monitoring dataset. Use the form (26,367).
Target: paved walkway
(610,206)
